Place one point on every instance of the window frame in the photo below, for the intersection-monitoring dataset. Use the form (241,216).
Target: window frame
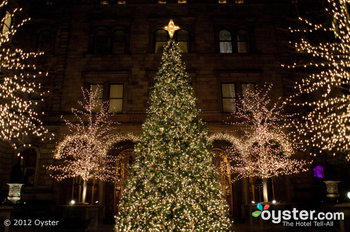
(125,41)
(108,46)
(234,98)
(225,41)
(5,28)
(247,41)
(109,96)
(188,40)
(155,50)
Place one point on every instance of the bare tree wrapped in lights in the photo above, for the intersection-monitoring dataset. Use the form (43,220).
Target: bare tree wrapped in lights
(326,123)
(267,149)
(83,152)
(173,183)
(18,85)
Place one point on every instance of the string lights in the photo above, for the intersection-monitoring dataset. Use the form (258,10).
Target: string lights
(265,149)
(173,184)
(323,124)
(18,86)
(83,153)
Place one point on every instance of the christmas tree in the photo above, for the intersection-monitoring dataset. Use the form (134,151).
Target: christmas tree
(173,184)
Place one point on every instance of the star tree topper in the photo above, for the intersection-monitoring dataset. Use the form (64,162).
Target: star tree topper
(171,28)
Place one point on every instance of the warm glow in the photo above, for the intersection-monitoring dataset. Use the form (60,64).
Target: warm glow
(171,28)
(325,126)
(83,152)
(19,82)
(265,149)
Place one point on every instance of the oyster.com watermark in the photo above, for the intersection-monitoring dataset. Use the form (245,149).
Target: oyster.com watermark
(295,217)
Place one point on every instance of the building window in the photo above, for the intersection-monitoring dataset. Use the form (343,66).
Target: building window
(44,41)
(116,92)
(225,41)
(161,1)
(239,1)
(7,22)
(242,41)
(182,37)
(121,2)
(161,38)
(119,42)
(222,1)
(182,1)
(101,42)
(99,88)
(228,92)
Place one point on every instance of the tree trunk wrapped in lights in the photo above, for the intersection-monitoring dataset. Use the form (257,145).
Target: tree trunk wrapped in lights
(267,148)
(323,123)
(18,86)
(173,185)
(83,152)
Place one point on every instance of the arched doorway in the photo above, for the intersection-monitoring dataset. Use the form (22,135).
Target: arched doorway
(235,191)
(113,191)
(222,165)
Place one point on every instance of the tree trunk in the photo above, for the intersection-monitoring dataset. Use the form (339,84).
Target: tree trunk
(265,191)
(84,191)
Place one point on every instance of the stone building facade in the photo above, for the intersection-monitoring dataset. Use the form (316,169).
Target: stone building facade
(228,46)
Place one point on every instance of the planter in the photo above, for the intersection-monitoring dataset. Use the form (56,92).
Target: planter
(332,188)
(14,194)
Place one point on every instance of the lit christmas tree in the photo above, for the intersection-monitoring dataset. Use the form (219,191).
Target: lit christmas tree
(325,125)
(267,148)
(19,88)
(173,185)
(83,152)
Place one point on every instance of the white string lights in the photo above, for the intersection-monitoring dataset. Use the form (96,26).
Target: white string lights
(325,125)
(83,152)
(267,149)
(18,84)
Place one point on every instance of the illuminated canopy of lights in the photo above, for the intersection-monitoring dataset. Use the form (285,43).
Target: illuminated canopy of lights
(18,86)
(265,149)
(326,125)
(83,152)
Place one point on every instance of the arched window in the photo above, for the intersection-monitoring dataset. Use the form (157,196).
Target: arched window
(242,41)
(119,42)
(7,22)
(44,41)
(161,38)
(24,170)
(182,37)
(101,42)
(225,41)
